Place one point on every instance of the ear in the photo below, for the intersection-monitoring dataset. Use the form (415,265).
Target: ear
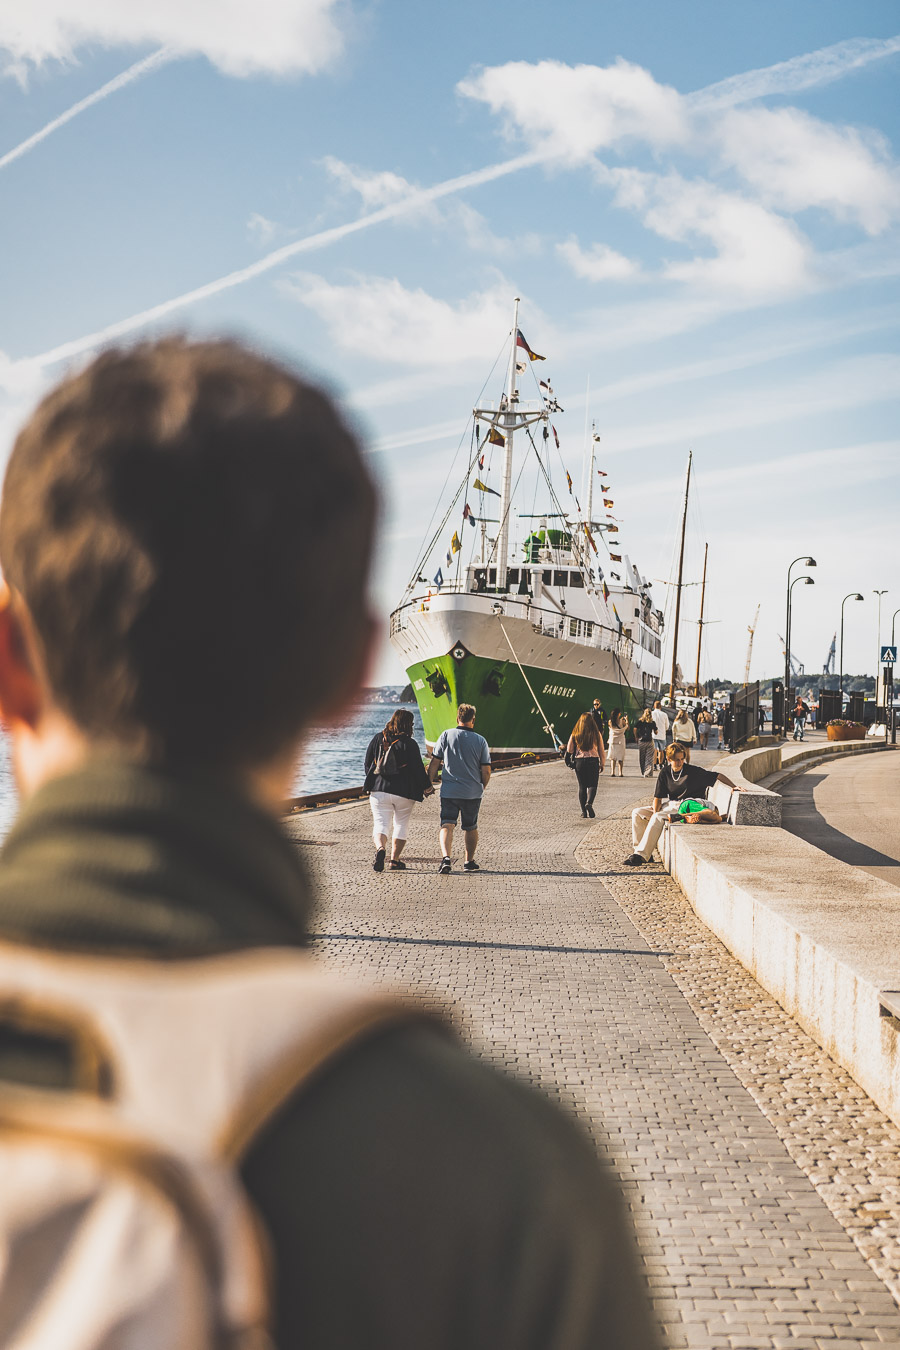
(20,691)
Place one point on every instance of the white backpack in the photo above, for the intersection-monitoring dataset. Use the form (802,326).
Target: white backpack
(123,1222)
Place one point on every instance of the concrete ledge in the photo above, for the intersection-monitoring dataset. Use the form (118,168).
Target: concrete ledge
(822,937)
(759,771)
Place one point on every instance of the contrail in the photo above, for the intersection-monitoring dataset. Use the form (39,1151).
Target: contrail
(801,72)
(135,72)
(323,238)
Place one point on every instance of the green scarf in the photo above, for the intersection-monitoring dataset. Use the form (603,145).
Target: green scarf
(121,858)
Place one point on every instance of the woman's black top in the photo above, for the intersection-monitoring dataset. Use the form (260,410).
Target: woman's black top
(410,780)
(643,731)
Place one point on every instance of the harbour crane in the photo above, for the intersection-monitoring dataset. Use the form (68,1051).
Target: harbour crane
(797,667)
(829,660)
(751,630)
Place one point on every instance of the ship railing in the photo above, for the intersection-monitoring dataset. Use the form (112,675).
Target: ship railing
(546,622)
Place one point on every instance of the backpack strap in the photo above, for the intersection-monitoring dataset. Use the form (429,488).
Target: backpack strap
(197,1054)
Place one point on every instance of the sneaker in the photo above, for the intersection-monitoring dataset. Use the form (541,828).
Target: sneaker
(378,864)
(635,861)
(397,865)
(591,813)
(472,866)
(445,865)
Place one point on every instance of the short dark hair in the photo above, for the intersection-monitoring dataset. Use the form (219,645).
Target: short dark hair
(183,520)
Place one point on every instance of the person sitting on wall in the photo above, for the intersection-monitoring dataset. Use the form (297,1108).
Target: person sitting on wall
(678,781)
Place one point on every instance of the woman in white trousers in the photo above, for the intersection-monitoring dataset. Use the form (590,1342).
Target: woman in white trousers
(395,780)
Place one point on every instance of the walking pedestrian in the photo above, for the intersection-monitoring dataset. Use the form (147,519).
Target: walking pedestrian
(660,734)
(586,748)
(395,780)
(618,725)
(643,734)
(683,729)
(677,782)
(704,722)
(600,719)
(466,762)
(801,712)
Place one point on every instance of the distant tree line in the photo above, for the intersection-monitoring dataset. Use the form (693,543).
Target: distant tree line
(853,684)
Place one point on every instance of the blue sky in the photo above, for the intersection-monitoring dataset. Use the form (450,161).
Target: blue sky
(697,203)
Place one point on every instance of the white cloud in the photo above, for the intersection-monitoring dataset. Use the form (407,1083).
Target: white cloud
(378,188)
(276,37)
(261,230)
(792,160)
(380,317)
(573,111)
(758,253)
(795,161)
(598,263)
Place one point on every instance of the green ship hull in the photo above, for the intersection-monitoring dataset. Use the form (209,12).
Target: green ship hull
(507,715)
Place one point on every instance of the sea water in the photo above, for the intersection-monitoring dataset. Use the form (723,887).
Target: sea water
(332,757)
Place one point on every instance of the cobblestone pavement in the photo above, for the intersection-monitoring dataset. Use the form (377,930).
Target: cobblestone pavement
(601,990)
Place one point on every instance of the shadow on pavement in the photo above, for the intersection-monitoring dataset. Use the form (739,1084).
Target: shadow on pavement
(801,816)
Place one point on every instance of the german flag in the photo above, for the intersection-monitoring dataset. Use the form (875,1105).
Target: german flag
(616,557)
(520,342)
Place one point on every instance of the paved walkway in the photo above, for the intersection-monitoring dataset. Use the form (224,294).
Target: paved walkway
(851,809)
(560,986)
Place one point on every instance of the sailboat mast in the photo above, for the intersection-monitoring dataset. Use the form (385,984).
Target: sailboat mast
(508,421)
(589,505)
(687,488)
(700,624)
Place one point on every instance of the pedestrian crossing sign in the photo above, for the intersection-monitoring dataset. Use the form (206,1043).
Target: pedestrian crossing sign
(888,656)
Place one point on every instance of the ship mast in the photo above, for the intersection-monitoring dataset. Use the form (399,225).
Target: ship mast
(508,421)
(687,488)
(589,505)
(701,622)
(509,418)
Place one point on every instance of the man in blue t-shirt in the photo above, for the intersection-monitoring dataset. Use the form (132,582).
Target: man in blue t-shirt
(466,762)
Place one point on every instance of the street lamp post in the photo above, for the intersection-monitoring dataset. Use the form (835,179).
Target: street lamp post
(854,595)
(891,718)
(807,562)
(878,644)
(809,581)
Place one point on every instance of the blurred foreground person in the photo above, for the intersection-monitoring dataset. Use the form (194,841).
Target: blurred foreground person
(178,1075)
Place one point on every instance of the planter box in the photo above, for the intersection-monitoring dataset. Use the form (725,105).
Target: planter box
(854,732)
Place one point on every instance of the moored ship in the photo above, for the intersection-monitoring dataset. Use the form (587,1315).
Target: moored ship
(532,639)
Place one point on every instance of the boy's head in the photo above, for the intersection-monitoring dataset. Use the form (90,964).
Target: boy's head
(188,525)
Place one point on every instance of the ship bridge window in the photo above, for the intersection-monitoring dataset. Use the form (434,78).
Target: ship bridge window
(560,578)
(576,579)
(547,576)
(512,576)
(492,576)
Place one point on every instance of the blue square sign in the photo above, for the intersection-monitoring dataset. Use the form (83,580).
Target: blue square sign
(888,656)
